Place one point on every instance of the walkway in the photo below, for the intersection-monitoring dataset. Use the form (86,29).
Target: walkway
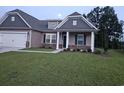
(8,49)
(54,52)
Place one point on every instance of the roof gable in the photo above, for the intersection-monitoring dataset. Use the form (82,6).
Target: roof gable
(82,23)
(74,14)
(33,22)
(40,25)
(17,23)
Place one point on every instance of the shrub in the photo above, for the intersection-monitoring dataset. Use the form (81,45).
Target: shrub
(49,47)
(89,50)
(42,46)
(78,49)
(97,51)
(74,49)
(67,49)
(84,50)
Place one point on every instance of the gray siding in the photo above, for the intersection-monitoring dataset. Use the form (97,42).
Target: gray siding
(17,23)
(80,24)
(52,25)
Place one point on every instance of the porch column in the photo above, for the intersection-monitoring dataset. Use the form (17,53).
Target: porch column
(67,39)
(92,41)
(57,41)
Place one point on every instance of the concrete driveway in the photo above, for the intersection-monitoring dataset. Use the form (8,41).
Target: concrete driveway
(7,49)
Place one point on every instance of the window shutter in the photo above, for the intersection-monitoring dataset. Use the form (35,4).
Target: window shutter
(76,39)
(84,39)
(44,38)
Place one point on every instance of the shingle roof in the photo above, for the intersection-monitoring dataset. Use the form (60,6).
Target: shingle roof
(32,21)
(35,23)
(44,23)
(75,13)
(39,25)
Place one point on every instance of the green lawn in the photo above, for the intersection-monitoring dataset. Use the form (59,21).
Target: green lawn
(17,68)
(38,49)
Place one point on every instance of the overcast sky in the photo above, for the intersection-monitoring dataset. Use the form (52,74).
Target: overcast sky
(50,12)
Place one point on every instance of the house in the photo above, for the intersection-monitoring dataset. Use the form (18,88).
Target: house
(19,29)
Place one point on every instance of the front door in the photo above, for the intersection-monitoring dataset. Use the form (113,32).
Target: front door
(64,41)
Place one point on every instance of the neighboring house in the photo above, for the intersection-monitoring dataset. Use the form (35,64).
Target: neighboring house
(19,29)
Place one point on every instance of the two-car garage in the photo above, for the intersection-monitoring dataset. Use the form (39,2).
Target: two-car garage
(13,39)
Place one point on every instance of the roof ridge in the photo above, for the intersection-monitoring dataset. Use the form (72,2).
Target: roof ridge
(20,11)
(74,14)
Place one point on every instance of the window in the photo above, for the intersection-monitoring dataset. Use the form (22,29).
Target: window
(50,39)
(13,18)
(47,39)
(80,39)
(74,22)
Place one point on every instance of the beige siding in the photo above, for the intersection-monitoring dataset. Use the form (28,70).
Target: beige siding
(60,39)
(36,39)
(88,39)
(72,38)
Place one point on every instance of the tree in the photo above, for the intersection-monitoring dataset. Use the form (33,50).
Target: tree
(122,36)
(94,17)
(110,28)
(84,15)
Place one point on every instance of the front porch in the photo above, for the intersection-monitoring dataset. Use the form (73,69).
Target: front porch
(72,40)
(75,40)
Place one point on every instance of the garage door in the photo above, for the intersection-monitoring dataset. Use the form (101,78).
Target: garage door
(13,39)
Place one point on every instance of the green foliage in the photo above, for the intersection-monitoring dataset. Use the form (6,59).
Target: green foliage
(97,51)
(107,22)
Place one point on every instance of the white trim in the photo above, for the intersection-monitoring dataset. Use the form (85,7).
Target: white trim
(67,39)
(50,34)
(3,18)
(12,32)
(57,43)
(74,22)
(84,19)
(89,23)
(18,15)
(78,39)
(23,20)
(92,41)
(76,16)
(13,18)
(64,20)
